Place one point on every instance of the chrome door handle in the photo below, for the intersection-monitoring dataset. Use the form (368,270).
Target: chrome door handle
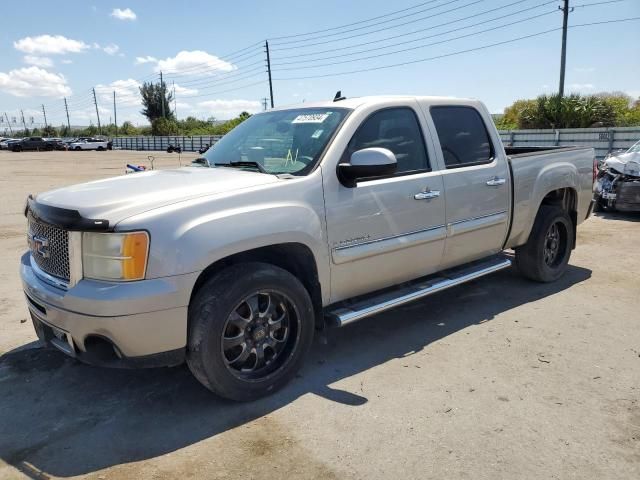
(427,195)
(496,182)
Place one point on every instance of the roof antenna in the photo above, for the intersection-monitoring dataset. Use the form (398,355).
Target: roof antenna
(339,96)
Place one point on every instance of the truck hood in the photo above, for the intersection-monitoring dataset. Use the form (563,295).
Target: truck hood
(115,199)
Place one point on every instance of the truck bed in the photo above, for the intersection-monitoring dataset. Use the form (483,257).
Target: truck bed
(535,170)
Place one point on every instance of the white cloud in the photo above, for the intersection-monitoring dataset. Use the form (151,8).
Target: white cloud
(147,59)
(34,82)
(127,92)
(180,90)
(189,60)
(67,61)
(50,45)
(111,49)
(183,105)
(126,14)
(38,61)
(224,109)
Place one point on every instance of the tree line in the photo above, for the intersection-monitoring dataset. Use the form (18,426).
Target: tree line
(606,109)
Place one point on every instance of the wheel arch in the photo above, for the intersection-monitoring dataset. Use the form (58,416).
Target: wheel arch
(565,198)
(295,258)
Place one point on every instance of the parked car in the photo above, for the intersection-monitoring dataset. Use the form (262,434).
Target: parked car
(4,144)
(89,144)
(618,182)
(34,143)
(299,217)
(174,148)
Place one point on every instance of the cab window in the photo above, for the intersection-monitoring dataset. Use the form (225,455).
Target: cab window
(464,138)
(398,130)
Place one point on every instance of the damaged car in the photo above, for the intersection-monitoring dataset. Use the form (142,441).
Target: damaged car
(617,185)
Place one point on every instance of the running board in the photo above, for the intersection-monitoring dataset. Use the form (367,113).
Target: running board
(343,313)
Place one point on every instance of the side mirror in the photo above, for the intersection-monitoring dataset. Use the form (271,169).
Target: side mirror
(368,162)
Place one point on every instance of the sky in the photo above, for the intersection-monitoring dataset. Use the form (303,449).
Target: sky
(212,53)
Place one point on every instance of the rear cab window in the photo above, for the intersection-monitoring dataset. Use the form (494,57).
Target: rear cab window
(463,136)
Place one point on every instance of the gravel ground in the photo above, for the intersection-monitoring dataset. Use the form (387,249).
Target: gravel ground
(499,378)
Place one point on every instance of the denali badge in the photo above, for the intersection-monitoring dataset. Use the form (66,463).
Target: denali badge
(39,245)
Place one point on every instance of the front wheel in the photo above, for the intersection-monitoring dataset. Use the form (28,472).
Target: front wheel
(545,256)
(250,327)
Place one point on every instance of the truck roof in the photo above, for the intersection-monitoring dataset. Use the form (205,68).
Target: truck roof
(356,102)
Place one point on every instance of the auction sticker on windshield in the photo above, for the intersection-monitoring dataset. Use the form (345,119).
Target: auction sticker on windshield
(311,118)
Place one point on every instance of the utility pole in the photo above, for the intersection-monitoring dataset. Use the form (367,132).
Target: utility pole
(23,122)
(266,46)
(66,107)
(563,56)
(44,113)
(115,114)
(264,103)
(163,95)
(175,103)
(7,117)
(95,101)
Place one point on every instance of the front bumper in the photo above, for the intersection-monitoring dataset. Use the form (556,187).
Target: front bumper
(119,324)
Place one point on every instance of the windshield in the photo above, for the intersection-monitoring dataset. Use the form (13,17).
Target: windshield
(635,148)
(284,141)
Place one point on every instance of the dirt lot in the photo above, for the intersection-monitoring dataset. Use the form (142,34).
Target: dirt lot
(500,378)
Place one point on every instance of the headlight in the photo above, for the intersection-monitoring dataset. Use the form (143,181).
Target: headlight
(115,256)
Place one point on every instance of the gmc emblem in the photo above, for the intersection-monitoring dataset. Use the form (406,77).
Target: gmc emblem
(39,245)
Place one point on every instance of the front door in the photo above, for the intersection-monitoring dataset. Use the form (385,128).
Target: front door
(386,230)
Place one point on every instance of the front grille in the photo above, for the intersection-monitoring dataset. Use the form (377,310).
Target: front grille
(49,247)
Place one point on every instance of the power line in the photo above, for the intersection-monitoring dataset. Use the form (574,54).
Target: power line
(224,91)
(383,22)
(460,52)
(204,83)
(221,77)
(355,23)
(504,25)
(415,20)
(392,37)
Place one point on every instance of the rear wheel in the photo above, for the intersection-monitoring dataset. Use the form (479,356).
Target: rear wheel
(545,256)
(250,327)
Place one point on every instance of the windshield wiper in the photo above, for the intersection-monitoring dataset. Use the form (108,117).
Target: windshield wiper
(243,163)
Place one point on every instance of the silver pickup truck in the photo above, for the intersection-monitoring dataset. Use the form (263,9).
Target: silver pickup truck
(300,217)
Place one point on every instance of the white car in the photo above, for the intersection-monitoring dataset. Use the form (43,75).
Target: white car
(90,144)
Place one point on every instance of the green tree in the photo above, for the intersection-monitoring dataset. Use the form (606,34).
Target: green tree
(153,96)
(127,128)
(164,126)
(49,131)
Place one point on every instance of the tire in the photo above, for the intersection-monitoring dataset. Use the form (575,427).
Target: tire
(100,149)
(545,256)
(224,308)
(77,149)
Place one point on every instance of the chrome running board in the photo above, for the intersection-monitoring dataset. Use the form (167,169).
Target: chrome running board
(344,313)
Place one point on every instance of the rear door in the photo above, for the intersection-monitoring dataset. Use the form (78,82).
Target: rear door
(390,229)
(477,181)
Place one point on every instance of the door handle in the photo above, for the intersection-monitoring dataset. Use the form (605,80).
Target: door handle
(427,195)
(496,182)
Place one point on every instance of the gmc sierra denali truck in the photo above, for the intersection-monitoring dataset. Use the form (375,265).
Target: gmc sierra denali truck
(303,216)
